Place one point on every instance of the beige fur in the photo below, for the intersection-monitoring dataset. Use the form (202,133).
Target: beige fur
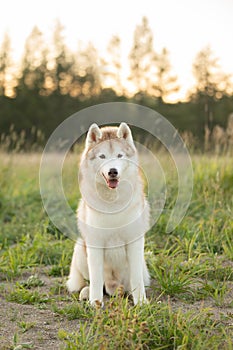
(113,217)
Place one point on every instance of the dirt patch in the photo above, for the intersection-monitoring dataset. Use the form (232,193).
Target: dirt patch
(43,332)
(37,326)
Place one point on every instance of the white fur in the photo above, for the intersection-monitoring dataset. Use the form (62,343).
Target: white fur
(112,222)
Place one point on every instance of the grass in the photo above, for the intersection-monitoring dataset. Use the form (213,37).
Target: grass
(154,326)
(191,268)
(22,295)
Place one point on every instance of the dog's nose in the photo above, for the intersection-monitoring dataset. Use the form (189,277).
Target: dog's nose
(113,172)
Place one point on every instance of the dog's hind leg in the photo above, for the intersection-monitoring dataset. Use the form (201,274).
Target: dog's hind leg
(78,269)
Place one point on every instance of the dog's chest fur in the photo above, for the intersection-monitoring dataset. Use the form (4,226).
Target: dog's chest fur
(113,230)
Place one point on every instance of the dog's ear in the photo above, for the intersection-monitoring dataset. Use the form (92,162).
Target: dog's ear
(124,132)
(94,135)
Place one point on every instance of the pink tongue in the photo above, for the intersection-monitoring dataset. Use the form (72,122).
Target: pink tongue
(112,183)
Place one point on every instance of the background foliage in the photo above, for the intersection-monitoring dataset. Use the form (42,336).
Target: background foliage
(51,82)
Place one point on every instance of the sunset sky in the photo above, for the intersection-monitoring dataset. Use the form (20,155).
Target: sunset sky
(184,27)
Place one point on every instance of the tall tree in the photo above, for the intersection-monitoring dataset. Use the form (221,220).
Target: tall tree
(164,82)
(34,64)
(142,56)
(89,71)
(114,66)
(60,76)
(5,67)
(210,80)
(211,83)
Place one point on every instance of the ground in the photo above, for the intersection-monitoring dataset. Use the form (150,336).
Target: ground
(191,294)
(37,326)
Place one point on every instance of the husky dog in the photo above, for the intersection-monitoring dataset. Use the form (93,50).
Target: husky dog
(113,216)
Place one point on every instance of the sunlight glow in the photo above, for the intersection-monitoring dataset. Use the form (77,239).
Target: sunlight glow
(183,28)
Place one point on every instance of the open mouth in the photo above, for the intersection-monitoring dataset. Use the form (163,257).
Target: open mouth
(111,182)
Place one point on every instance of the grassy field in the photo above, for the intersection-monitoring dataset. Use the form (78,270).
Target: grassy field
(191,295)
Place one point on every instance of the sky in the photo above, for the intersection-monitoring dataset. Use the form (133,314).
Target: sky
(184,27)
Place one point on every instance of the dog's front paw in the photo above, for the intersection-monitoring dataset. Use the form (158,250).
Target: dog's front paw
(141,301)
(98,304)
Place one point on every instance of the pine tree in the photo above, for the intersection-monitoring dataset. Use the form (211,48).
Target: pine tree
(34,64)
(211,83)
(90,72)
(114,66)
(210,80)
(6,86)
(142,57)
(60,76)
(164,82)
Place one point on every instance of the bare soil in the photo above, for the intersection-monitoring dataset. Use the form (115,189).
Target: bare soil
(45,323)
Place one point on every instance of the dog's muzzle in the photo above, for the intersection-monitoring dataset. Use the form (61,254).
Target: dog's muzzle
(112,179)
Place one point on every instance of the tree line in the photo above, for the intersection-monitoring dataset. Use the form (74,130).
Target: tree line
(51,82)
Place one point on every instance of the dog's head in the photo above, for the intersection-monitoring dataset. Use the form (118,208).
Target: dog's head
(108,153)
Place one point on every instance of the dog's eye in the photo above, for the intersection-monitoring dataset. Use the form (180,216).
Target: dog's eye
(102,156)
(120,155)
